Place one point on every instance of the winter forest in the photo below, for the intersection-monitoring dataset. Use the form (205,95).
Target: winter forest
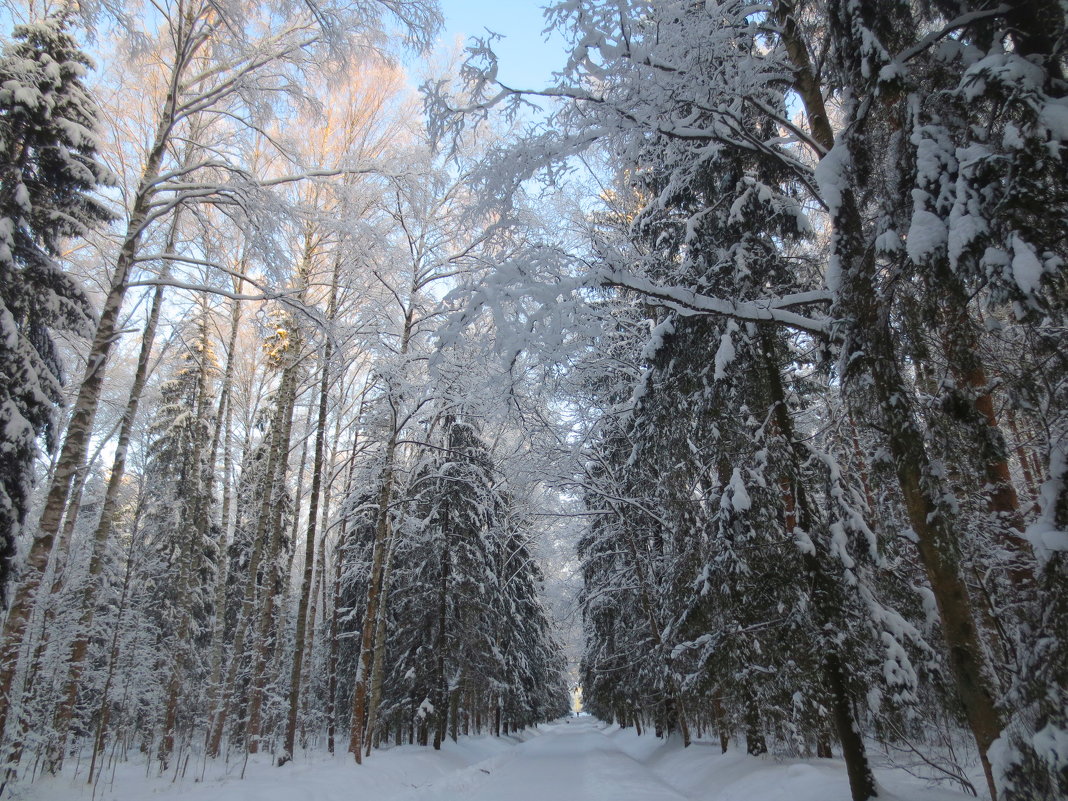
(356,404)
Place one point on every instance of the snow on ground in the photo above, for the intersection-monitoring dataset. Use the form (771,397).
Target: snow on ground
(580,759)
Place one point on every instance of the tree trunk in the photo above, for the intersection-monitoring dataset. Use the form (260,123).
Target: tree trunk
(287,400)
(755,742)
(375,598)
(720,716)
(226,408)
(332,659)
(377,670)
(104,526)
(806,83)
(454,714)
(1026,466)
(309,544)
(374,588)
(861,779)
(222,435)
(825,603)
(441,683)
(923,489)
(962,352)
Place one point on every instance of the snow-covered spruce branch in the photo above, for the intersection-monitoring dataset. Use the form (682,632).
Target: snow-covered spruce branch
(951,27)
(687,302)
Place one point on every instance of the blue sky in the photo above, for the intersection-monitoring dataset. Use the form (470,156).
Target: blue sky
(526,60)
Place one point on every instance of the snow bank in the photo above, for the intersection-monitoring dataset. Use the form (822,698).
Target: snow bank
(386,774)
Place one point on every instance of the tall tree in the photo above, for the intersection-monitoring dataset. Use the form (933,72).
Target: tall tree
(175,518)
(49,170)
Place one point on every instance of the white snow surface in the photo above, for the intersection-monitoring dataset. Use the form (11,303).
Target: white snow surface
(1026,266)
(579,759)
(927,235)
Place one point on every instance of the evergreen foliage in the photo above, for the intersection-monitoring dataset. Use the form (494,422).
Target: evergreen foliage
(49,173)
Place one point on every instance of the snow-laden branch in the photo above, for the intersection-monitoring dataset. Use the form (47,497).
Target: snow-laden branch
(274,294)
(690,303)
(963,21)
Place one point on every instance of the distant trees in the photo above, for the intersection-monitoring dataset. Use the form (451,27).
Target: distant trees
(469,645)
(444,239)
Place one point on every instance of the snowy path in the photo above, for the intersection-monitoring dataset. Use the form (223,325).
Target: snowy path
(575,761)
(580,760)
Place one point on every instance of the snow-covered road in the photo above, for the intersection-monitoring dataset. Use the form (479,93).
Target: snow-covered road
(576,761)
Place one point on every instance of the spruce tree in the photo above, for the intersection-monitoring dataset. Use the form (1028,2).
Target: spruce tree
(176,524)
(48,174)
(456,505)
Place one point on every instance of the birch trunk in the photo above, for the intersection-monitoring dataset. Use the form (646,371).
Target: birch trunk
(287,395)
(364,679)
(309,542)
(102,534)
(222,434)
